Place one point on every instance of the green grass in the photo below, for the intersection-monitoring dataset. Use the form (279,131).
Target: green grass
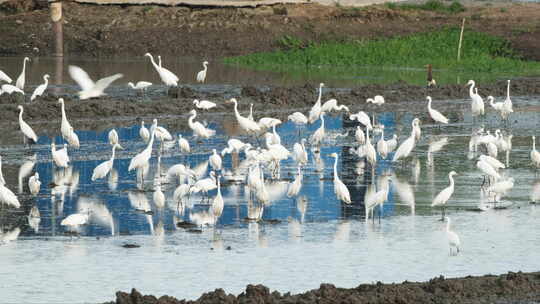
(480,53)
(431,5)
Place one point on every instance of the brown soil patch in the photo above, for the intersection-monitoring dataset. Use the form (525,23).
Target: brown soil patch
(93,30)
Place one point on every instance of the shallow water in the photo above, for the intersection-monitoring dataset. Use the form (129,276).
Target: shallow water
(317,239)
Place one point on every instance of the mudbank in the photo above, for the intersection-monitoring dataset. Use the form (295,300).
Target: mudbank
(267,99)
(507,288)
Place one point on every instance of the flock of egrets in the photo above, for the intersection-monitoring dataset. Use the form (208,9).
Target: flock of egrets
(272,153)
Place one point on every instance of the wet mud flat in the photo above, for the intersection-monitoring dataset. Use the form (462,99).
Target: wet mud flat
(507,288)
(179,101)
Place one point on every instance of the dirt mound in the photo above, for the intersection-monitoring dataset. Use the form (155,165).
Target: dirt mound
(508,288)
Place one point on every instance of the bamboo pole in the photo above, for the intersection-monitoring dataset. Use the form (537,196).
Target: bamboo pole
(460,40)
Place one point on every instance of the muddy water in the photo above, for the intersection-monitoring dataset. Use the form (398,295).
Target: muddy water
(300,242)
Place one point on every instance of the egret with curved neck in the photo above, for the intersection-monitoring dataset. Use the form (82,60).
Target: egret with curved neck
(340,189)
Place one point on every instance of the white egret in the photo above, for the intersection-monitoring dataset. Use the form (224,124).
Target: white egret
(199,130)
(25,128)
(477,105)
(204,104)
(75,220)
(250,116)
(73,139)
(158,196)
(377,100)
(315,111)
(21,79)
(360,136)
(453,238)
(201,76)
(392,143)
(217,203)
(268,122)
(234,145)
(34,218)
(8,197)
(34,184)
(495,163)
(183,144)
(382,146)
(340,189)
(497,106)
(65,126)
(163,134)
(507,102)
(371,155)
(487,169)
(442,198)
(105,167)
(501,188)
(535,155)
(89,88)
(372,199)
(140,85)
(41,88)
(363,118)
(299,153)
(2,180)
(140,161)
(205,185)
(114,138)
(144,133)
(60,156)
(296,185)
(406,147)
(247,125)
(318,136)
(492,149)
(215,160)
(167,77)
(10,89)
(331,105)
(298,118)
(436,115)
(180,170)
(501,142)
(5,77)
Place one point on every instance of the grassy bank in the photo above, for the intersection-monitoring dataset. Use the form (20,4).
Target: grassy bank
(481,53)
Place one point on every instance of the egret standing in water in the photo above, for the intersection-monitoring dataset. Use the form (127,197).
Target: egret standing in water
(436,115)
(41,88)
(167,77)
(199,130)
(105,167)
(114,139)
(215,160)
(201,76)
(535,155)
(25,128)
(315,111)
(453,238)
(140,161)
(442,198)
(477,104)
(204,104)
(247,125)
(141,85)
(406,147)
(340,189)
(144,133)
(34,184)
(318,136)
(22,77)
(296,185)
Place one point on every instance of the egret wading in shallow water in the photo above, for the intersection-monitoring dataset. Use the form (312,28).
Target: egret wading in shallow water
(436,115)
(114,139)
(477,104)
(60,157)
(144,133)
(183,144)
(299,121)
(249,126)
(299,153)
(199,130)
(105,167)
(295,186)
(27,131)
(204,104)
(34,184)
(508,108)
(340,189)
(442,198)
(22,77)
(315,111)
(140,161)
(41,88)
(201,76)
(166,76)
(406,147)
(217,203)
(140,85)
(89,88)
(453,238)
(215,160)
(318,136)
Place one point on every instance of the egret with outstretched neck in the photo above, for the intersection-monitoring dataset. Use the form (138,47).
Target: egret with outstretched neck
(105,167)
(340,189)
(25,128)
(41,88)
(315,111)
(22,77)
(247,125)
(436,115)
(442,198)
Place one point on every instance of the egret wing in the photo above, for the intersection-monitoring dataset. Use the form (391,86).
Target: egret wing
(81,77)
(103,83)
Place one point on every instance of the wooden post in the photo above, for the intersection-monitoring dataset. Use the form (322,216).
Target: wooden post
(460,40)
(57,20)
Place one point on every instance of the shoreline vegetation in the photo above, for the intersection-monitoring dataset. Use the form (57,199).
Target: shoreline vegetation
(506,288)
(481,54)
